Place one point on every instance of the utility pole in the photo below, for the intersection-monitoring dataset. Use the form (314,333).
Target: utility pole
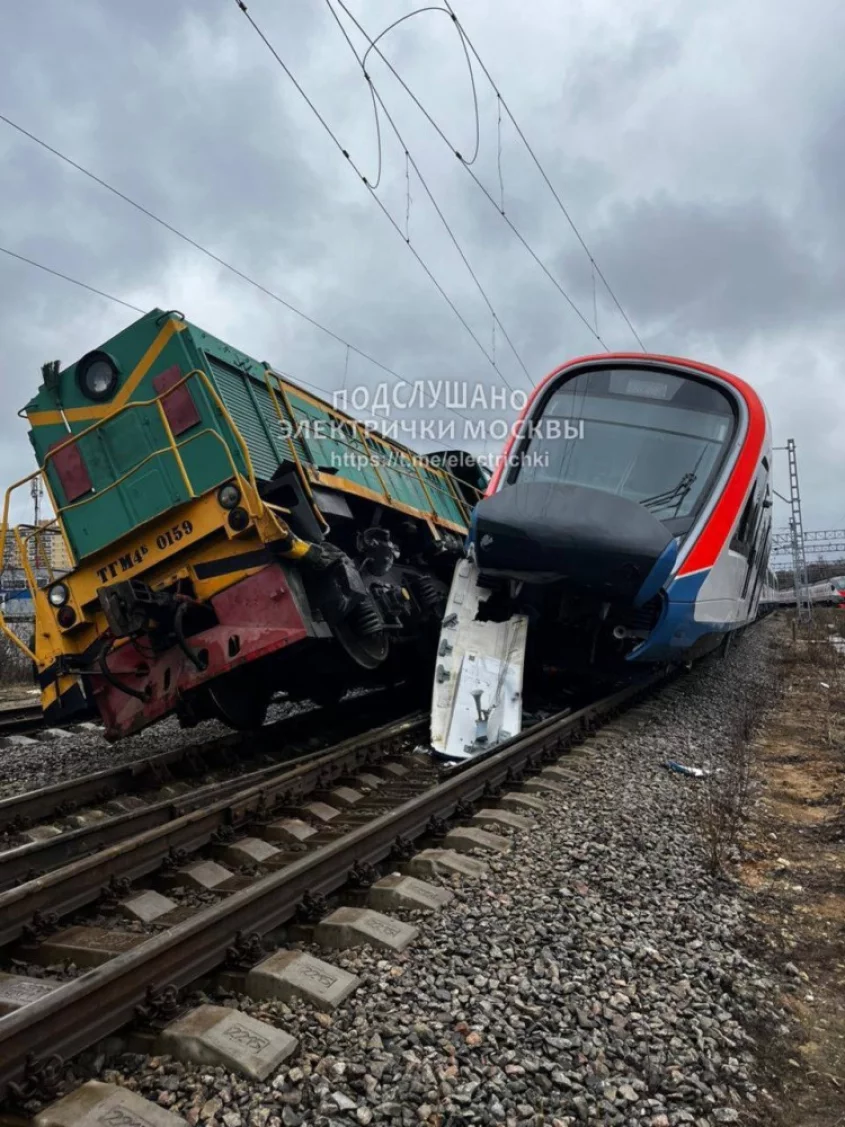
(800,584)
(796,527)
(36,492)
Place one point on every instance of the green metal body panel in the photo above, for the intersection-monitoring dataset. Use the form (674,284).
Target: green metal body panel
(131,447)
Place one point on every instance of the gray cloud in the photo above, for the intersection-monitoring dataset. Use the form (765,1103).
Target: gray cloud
(702,153)
(727,271)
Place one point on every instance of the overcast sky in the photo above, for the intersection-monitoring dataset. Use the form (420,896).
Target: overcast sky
(700,149)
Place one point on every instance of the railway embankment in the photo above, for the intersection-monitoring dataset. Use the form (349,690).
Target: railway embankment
(647,931)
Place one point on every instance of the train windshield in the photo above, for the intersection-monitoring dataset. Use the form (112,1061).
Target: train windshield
(654,438)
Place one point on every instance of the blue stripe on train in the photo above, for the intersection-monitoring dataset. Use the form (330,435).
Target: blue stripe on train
(677,631)
(659,574)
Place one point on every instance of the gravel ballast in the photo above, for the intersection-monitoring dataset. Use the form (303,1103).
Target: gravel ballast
(46,760)
(43,760)
(597,975)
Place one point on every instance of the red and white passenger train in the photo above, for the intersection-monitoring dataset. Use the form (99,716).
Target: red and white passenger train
(825,593)
(628,523)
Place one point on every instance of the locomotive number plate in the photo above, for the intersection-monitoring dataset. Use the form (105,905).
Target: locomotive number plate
(137,555)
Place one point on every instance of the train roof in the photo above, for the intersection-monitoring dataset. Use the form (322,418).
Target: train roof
(745,389)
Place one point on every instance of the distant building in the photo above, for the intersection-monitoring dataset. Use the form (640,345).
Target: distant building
(46,551)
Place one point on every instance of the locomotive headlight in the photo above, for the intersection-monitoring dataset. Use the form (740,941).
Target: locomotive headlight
(58,595)
(97,376)
(228,495)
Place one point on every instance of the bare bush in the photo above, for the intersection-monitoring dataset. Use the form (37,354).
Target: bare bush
(15,666)
(823,658)
(820,650)
(725,793)
(724,802)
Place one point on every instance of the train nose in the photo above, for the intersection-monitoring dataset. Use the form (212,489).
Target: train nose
(545,532)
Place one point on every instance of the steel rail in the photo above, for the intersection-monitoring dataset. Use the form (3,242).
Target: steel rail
(80,1013)
(22,718)
(81,882)
(70,794)
(27,862)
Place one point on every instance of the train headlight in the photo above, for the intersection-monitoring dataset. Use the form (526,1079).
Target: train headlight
(58,595)
(97,376)
(228,495)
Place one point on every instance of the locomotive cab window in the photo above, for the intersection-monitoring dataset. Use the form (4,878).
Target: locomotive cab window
(652,437)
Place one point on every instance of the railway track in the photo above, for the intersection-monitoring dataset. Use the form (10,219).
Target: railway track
(201,821)
(39,857)
(89,798)
(335,817)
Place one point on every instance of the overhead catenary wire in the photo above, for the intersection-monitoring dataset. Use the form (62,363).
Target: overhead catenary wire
(530,150)
(215,258)
(498,205)
(73,281)
(346,154)
(243,276)
(547,180)
(499,154)
(471,72)
(500,209)
(137,309)
(409,159)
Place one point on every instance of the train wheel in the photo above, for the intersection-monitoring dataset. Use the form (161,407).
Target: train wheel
(242,708)
(366,650)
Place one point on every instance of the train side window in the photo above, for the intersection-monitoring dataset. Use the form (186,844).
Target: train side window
(759,539)
(742,538)
(762,565)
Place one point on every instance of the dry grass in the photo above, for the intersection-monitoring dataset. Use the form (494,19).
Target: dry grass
(725,796)
(793,875)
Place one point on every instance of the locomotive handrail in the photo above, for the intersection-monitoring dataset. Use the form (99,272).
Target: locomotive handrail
(149,457)
(21,543)
(173,445)
(9,633)
(303,476)
(436,471)
(33,533)
(5,629)
(396,465)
